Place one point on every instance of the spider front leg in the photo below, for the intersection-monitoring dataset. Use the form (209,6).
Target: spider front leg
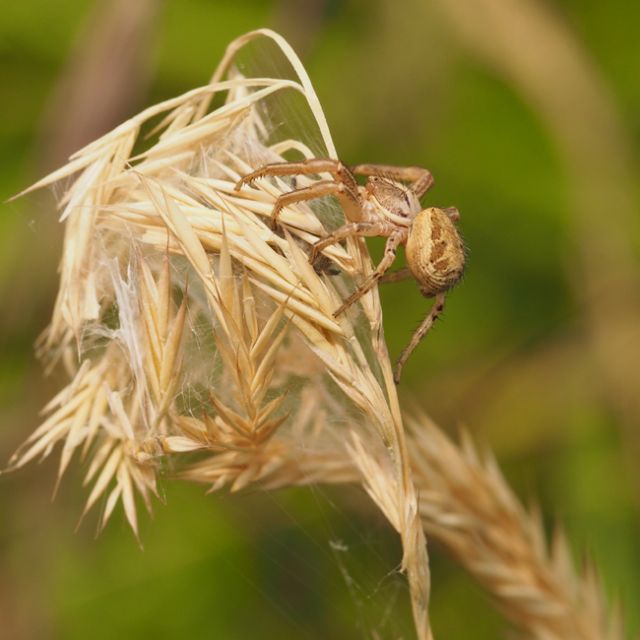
(393,242)
(344,187)
(421,179)
(305,167)
(316,190)
(420,332)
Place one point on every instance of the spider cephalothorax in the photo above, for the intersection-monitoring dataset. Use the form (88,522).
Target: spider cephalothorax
(384,207)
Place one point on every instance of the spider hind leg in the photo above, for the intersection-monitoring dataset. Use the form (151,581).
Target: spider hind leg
(425,326)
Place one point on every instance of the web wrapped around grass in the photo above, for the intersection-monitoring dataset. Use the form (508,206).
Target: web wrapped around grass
(195,335)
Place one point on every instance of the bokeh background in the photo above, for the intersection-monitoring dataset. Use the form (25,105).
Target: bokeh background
(528,114)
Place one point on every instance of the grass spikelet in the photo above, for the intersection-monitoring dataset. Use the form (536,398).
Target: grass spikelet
(467,505)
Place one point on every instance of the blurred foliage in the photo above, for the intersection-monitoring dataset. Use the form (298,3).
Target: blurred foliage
(510,360)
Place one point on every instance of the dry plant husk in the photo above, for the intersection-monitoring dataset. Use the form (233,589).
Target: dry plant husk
(190,329)
(468,507)
(186,324)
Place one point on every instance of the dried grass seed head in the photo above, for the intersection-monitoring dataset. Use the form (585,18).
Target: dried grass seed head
(168,370)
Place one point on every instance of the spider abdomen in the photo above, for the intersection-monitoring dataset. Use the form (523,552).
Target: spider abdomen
(434,251)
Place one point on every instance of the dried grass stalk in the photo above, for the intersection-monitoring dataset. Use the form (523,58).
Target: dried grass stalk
(186,324)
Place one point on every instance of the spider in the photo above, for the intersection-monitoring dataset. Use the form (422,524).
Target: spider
(435,254)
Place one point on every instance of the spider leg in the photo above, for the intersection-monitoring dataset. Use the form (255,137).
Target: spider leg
(396,276)
(387,260)
(421,179)
(317,190)
(345,185)
(346,231)
(304,167)
(419,333)
(453,213)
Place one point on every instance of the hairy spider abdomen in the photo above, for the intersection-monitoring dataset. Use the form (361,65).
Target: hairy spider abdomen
(435,253)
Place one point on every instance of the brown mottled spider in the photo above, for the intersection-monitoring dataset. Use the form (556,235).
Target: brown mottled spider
(384,207)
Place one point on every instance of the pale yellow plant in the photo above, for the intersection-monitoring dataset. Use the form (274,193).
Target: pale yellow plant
(199,328)
(467,506)
(188,327)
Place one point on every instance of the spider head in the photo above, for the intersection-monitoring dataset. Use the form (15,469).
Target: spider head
(435,252)
(393,197)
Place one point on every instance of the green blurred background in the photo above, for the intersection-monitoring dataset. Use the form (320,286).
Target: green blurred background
(528,115)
